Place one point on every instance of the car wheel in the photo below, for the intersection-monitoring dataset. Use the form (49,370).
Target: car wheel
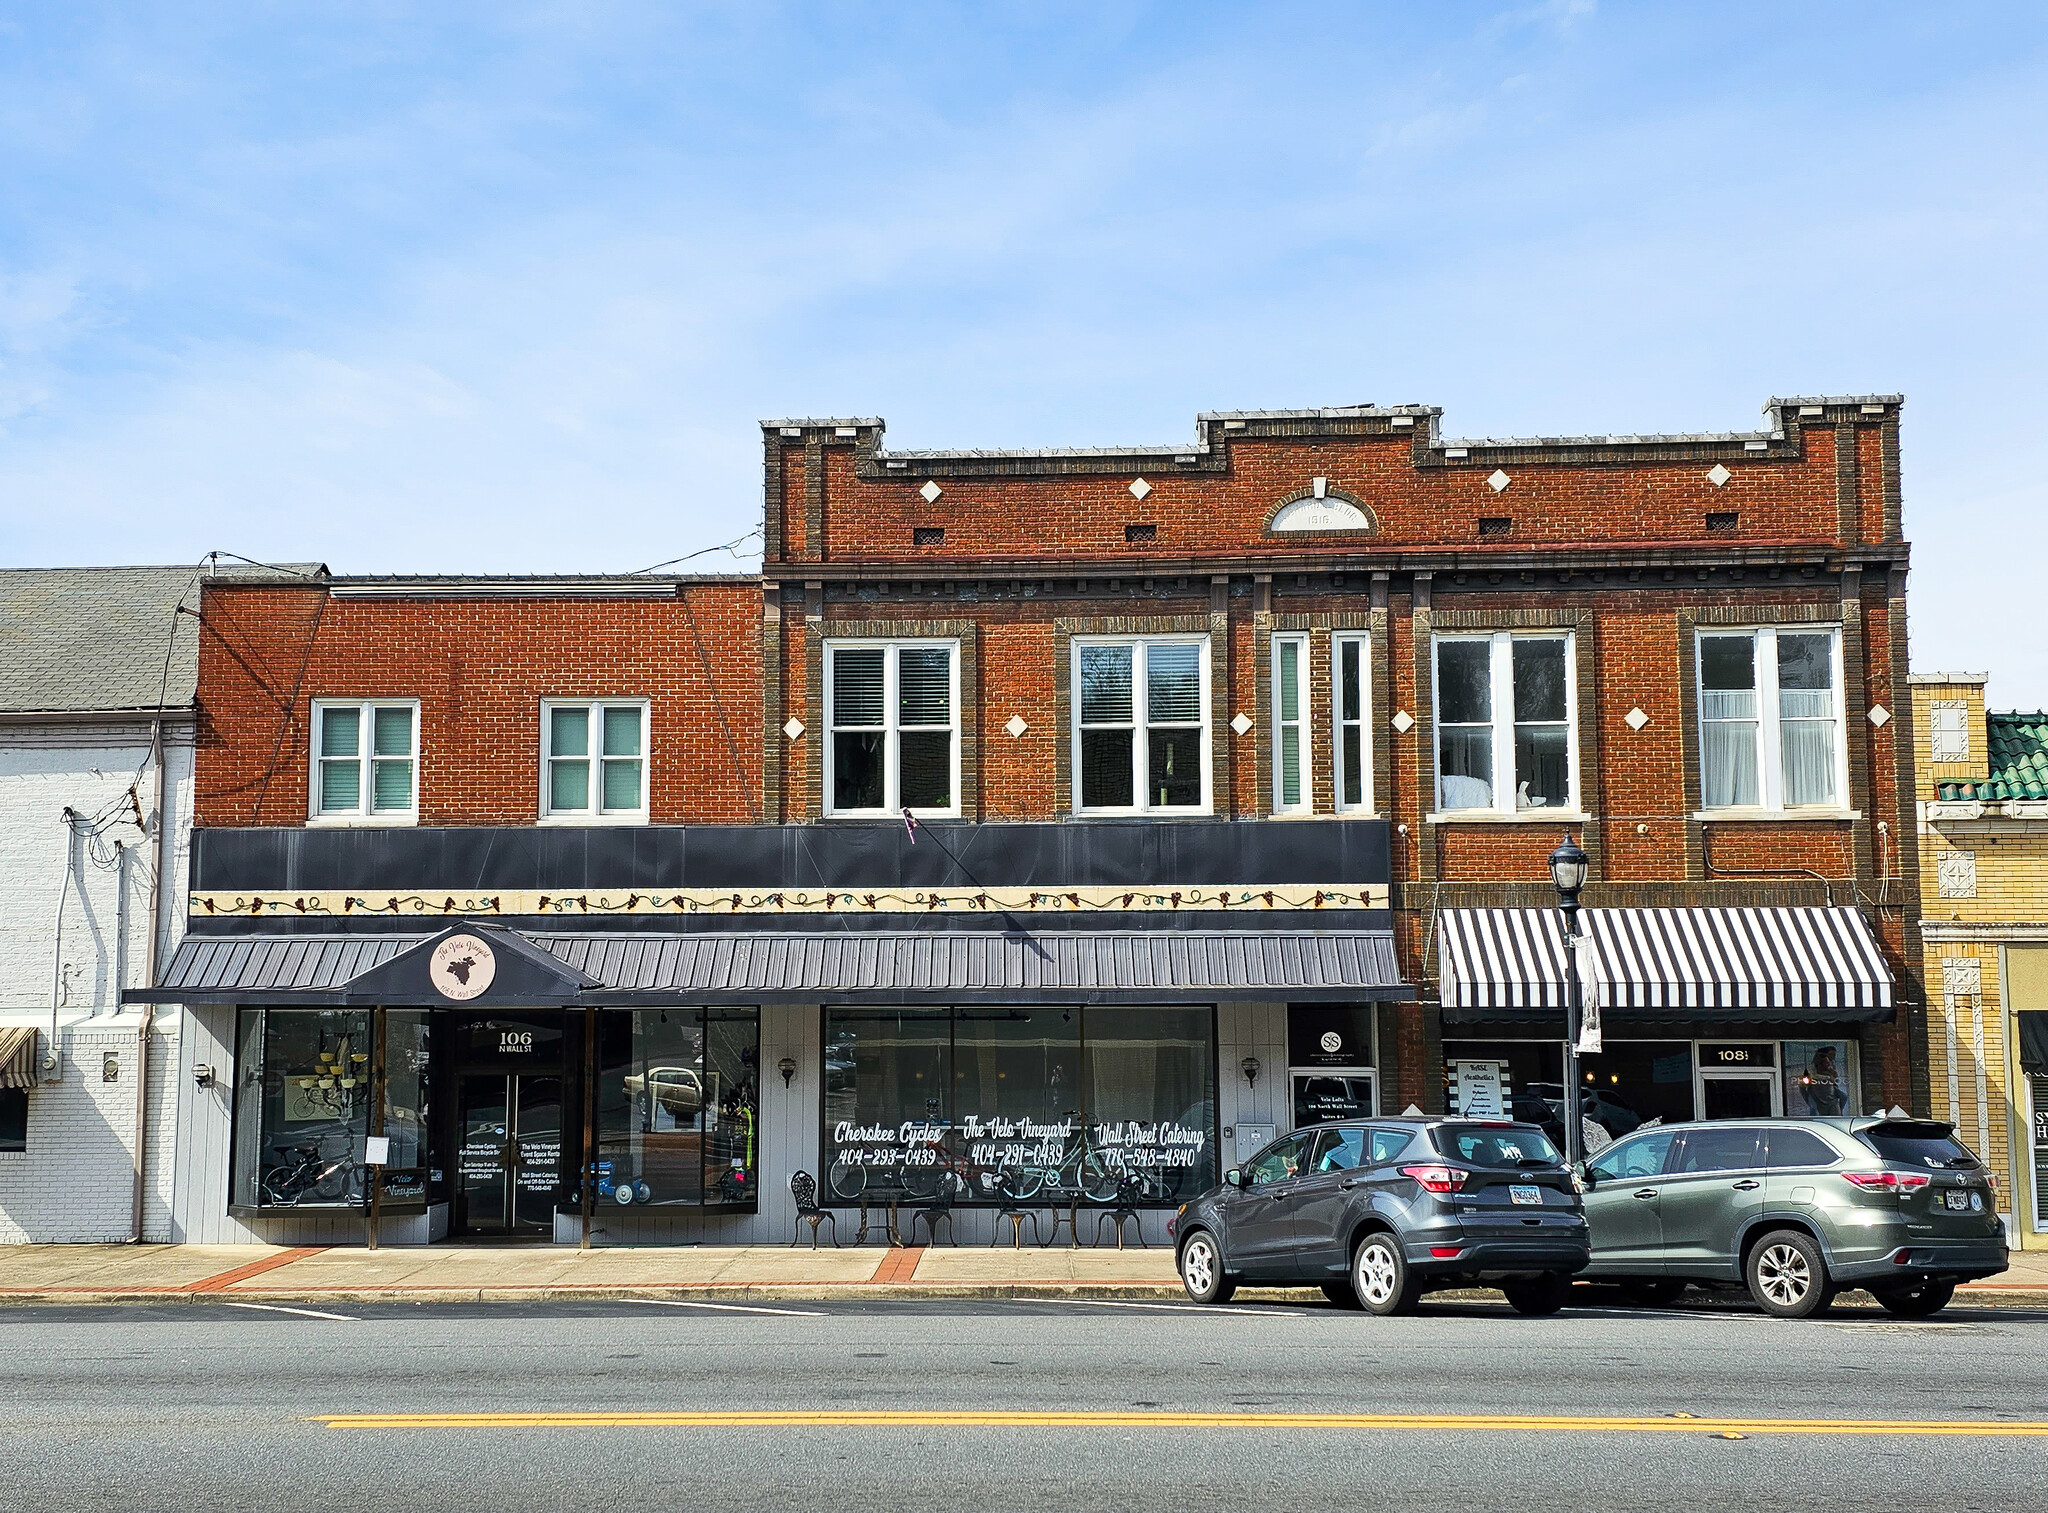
(1538,1295)
(1653,1294)
(1379,1275)
(1916,1302)
(1201,1270)
(1341,1294)
(1787,1276)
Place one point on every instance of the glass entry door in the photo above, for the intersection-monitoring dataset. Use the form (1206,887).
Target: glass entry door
(1738,1095)
(509,1167)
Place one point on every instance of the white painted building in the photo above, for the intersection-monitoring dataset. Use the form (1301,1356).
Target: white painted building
(97,674)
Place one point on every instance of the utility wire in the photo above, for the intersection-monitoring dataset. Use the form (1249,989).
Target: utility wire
(723,546)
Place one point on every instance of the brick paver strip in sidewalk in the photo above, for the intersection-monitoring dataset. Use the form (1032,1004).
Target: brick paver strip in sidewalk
(899,1264)
(227,1279)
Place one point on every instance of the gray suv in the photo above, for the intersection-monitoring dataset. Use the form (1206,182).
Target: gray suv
(1794,1209)
(1378,1212)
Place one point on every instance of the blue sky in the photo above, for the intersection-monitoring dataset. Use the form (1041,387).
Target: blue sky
(506,287)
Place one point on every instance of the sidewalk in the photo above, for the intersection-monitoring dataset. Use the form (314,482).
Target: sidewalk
(474,1273)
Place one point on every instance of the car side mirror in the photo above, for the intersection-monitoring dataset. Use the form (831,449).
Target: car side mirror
(1585,1174)
(1234,1177)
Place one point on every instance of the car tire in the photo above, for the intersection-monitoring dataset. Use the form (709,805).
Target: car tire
(1788,1276)
(1341,1294)
(1536,1296)
(1379,1276)
(1653,1292)
(1201,1269)
(1930,1297)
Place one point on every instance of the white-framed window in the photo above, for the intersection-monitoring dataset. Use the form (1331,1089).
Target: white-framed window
(1351,731)
(892,713)
(1293,787)
(1506,741)
(1771,718)
(593,761)
(1141,725)
(366,761)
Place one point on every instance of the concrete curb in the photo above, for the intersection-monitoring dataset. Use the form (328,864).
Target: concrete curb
(1979,1297)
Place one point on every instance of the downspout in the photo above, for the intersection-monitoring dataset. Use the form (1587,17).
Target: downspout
(53,1067)
(142,1033)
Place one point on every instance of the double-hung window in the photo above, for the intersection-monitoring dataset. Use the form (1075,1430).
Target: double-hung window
(1505,737)
(1141,733)
(366,760)
(594,760)
(1771,719)
(892,709)
(1350,692)
(1292,790)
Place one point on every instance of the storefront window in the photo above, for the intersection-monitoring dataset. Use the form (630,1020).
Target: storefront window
(1027,1104)
(1819,1080)
(302,1107)
(1629,1084)
(678,1093)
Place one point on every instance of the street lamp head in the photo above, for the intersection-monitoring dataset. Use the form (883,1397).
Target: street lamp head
(1568,871)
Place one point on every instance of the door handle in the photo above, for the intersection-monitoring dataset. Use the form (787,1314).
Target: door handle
(1354,1182)
(1277,1197)
(1646,1192)
(1747,1185)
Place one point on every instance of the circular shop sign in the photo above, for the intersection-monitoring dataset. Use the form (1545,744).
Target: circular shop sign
(461,967)
(1332,1042)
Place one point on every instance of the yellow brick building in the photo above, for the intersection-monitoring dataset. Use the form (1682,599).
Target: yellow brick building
(1983,807)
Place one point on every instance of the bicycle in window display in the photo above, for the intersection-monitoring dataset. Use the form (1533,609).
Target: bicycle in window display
(305,1170)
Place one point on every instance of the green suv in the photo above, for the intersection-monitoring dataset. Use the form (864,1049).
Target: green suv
(1794,1209)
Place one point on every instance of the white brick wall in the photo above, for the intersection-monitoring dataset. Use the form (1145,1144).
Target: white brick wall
(75,1180)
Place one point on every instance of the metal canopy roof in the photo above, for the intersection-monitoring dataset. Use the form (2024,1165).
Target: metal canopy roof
(1127,966)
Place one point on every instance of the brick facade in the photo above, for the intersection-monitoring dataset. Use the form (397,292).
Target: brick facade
(1632,544)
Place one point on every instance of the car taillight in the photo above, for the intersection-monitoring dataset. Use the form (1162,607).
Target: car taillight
(1991,1179)
(1437,1179)
(1896,1182)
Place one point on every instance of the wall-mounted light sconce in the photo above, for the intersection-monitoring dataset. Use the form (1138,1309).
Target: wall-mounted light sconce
(1250,1067)
(786,1066)
(203,1075)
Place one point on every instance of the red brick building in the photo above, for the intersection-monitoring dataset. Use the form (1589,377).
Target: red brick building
(1315,677)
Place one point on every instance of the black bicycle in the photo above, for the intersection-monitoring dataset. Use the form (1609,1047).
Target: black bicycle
(306,1173)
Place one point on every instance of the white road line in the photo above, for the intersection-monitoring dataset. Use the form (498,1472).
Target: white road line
(304,1313)
(786,1313)
(1208,1308)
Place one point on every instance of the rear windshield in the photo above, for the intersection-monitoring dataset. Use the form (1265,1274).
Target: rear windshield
(1917,1145)
(1495,1144)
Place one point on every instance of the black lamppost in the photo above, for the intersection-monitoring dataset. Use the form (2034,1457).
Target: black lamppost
(1568,873)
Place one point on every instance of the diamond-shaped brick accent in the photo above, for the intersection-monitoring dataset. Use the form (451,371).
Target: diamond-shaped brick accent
(1498,481)
(1403,721)
(1718,475)
(931,491)
(1241,722)
(793,727)
(1140,488)
(1879,715)
(1635,719)
(1015,725)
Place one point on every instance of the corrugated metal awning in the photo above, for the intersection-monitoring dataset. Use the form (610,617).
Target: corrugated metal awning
(810,967)
(1731,964)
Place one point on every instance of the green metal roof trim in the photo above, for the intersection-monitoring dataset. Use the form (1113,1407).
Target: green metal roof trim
(2019,762)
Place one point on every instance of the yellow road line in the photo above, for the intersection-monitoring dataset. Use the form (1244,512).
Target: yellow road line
(917,1419)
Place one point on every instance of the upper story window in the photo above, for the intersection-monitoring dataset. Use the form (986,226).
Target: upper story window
(1505,737)
(1141,728)
(1350,689)
(366,760)
(1771,719)
(1292,791)
(892,709)
(593,760)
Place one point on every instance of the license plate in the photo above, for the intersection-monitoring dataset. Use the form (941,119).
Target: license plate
(1521,1194)
(1959,1202)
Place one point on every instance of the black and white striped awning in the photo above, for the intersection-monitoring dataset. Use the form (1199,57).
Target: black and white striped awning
(1739,964)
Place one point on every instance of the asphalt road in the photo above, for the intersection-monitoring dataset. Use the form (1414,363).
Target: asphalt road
(216,1407)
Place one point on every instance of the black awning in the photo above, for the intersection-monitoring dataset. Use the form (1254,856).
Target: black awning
(612,968)
(1781,965)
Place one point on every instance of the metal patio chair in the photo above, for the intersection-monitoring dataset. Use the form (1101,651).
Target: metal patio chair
(803,1187)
